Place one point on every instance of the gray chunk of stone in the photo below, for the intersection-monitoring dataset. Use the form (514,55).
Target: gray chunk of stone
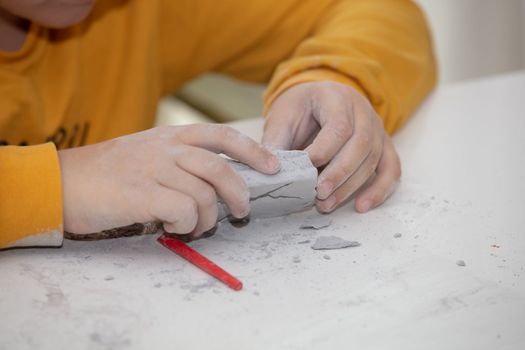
(316,222)
(291,190)
(397,235)
(333,242)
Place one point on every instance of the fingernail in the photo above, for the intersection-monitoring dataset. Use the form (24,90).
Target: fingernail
(210,232)
(365,206)
(242,214)
(273,163)
(329,204)
(324,189)
(239,222)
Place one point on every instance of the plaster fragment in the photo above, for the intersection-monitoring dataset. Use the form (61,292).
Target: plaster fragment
(333,242)
(316,222)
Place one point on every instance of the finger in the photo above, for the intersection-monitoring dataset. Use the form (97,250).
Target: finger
(216,171)
(278,130)
(336,127)
(350,157)
(224,139)
(288,124)
(386,181)
(177,211)
(203,194)
(352,184)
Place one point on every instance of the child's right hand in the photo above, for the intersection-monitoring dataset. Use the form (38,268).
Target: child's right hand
(167,174)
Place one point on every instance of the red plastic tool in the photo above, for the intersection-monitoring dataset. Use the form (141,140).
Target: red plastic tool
(200,261)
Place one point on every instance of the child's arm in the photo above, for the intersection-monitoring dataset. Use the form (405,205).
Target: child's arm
(170,175)
(374,52)
(380,47)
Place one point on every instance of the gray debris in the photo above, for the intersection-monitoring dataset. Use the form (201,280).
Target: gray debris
(316,222)
(397,235)
(296,259)
(333,242)
(461,263)
(326,257)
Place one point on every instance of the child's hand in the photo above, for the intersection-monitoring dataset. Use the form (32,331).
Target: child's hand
(167,174)
(341,131)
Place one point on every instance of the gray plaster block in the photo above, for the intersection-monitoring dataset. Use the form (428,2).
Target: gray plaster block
(291,190)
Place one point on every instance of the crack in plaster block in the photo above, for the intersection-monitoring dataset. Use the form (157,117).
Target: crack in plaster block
(289,191)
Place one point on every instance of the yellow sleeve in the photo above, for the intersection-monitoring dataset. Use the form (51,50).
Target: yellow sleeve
(30,196)
(381,47)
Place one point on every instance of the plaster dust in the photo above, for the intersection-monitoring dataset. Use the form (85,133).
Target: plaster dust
(333,242)
(291,190)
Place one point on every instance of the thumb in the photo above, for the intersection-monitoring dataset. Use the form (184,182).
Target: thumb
(279,122)
(277,133)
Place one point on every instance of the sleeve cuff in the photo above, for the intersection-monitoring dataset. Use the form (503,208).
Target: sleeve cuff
(30,197)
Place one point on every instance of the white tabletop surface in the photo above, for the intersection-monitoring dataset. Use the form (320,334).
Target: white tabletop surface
(462,197)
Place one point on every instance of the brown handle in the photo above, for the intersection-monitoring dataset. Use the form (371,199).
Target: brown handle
(137,229)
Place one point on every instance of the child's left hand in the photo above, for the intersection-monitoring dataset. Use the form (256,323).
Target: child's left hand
(342,133)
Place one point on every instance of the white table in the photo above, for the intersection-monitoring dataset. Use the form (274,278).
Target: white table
(462,197)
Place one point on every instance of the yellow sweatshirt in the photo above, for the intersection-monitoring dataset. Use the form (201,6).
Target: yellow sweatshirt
(102,78)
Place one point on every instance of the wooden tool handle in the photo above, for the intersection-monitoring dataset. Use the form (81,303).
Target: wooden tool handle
(125,231)
(137,229)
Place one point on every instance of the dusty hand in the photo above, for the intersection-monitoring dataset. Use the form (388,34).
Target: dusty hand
(342,133)
(167,174)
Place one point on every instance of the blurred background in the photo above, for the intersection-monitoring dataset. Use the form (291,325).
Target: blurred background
(472,39)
